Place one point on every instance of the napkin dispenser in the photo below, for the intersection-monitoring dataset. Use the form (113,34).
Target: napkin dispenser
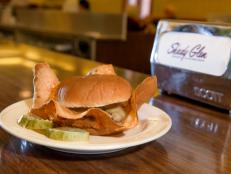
(192,59)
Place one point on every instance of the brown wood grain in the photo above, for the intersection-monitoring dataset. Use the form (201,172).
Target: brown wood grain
(198,142)
(134,53)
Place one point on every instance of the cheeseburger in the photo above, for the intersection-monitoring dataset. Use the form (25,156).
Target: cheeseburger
(100,102)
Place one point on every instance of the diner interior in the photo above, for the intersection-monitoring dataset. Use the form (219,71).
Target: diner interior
(179,96)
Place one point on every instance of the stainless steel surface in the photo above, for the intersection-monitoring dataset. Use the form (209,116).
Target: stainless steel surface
(93,25)
(72,33)
(213,90)
(78,46)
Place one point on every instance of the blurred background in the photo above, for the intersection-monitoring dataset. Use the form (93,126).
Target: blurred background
(120,32)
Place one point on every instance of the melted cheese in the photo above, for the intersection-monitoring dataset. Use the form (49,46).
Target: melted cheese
(117,113)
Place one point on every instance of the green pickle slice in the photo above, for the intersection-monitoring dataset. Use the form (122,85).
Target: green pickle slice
(32,122)
(23,121)
(45,127)
(68,134)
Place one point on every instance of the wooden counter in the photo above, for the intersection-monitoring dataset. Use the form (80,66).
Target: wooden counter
(198,142)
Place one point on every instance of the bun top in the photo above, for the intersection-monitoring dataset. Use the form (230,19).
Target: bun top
(93,91)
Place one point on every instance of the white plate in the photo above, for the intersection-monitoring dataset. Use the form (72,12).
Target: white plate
(153,124)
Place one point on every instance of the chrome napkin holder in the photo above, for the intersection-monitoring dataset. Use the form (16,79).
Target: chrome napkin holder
(183,58)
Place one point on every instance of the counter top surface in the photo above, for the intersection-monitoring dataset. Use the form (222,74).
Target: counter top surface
(198,142)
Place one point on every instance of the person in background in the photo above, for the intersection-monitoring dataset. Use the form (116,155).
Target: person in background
(84,5)
(8,16)
(170,11)
(76,6)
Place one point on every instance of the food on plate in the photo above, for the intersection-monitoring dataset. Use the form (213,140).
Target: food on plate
(46,127)
(101,102)
(67,134)
(35,123)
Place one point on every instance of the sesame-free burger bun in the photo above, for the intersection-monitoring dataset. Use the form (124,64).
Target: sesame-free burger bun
(93,91)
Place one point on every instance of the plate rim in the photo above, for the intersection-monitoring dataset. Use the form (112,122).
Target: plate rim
(82,145)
